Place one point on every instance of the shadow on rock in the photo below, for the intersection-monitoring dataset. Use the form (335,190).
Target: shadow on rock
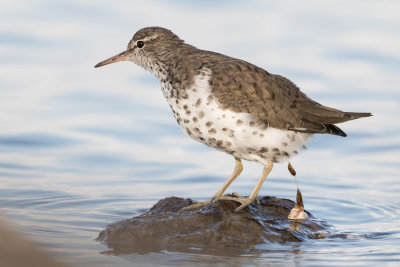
(213,229)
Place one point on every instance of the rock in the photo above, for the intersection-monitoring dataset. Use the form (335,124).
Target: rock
(214,229)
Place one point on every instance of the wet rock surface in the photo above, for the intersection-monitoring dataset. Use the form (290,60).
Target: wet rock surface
(213,229)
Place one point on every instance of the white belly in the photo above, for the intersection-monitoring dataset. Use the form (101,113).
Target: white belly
(200,115)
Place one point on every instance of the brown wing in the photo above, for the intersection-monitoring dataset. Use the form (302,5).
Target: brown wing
(273,99)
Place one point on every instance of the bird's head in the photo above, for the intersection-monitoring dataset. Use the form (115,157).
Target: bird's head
(148,47)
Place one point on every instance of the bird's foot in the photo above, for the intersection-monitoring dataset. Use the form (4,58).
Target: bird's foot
(200,204)
(197,205)
(244,201)
(234,197)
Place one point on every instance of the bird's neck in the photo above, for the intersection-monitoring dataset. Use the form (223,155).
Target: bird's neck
(168,60)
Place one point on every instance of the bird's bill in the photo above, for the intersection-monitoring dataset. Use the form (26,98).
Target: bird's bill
(120,57)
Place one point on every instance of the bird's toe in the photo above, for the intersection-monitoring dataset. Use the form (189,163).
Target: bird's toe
(196,205)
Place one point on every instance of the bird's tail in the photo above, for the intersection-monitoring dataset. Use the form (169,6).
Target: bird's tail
(355,115)
(333,129)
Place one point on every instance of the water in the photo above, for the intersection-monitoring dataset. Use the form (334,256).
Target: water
(81,148)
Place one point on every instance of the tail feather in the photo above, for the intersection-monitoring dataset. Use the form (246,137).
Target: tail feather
(356,115)
(333,129)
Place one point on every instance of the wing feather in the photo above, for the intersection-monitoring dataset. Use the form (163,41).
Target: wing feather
(272,99)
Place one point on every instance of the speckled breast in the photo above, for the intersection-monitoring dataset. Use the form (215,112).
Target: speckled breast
(201,116)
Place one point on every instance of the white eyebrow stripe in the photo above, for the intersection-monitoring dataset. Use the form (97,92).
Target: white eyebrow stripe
(149,38)
(133,43)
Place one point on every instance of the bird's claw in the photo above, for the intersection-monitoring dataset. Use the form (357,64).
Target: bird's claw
(244,202)
(196,205)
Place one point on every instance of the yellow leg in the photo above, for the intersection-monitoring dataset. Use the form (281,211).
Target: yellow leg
(236,172)
(247,201)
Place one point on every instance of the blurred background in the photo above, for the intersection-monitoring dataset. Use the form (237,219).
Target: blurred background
(81,147)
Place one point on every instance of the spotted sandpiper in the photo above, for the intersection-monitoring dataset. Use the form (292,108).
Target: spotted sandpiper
(230,104)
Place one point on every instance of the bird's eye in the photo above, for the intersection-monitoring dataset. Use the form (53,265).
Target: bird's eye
(140,44)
